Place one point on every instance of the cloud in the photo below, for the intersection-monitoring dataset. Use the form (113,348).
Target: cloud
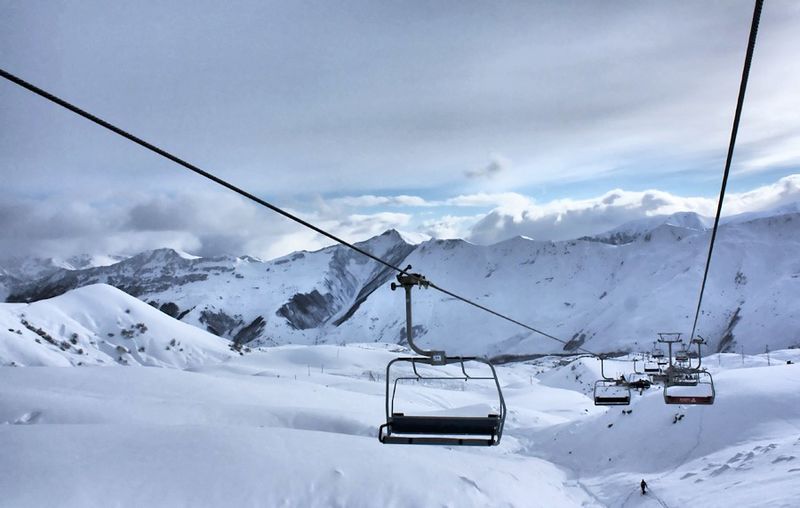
(567,219)
(382,96)
(504,200)
(204,224)
(497,164)
(210,224)
(449,226)
(369,200)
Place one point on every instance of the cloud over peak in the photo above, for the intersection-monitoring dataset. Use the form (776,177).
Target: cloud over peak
(220,223)
(566,218)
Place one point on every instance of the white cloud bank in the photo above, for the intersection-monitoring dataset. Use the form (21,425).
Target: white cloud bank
(204,224)
(219,223)
(566,218)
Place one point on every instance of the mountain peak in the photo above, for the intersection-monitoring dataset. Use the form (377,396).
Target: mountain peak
(688,220)
(630,231)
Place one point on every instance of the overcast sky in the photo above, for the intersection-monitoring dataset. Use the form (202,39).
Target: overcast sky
(476,120)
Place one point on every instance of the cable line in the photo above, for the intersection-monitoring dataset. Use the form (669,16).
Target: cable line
(751,43)
(187,165)
(191,167)
(502,316)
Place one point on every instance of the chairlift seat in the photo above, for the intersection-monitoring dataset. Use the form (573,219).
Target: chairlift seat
(612,400)
(609,393)
(689,399)
(441,429)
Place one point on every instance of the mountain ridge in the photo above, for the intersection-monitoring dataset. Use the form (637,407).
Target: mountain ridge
(607,295)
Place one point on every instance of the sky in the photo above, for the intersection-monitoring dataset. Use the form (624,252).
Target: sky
(477,120)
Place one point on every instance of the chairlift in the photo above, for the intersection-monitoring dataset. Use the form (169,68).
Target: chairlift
(655,365)
(682,355)
(700,392)
(690,385)
(609,391)
(651,365)
(639,380)
(402,428)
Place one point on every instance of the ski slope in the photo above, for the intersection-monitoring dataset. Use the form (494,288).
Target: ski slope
(297,425)
(253,431)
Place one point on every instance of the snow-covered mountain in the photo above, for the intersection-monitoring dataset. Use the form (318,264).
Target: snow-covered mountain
(14,271)
(611,292)
(101,325)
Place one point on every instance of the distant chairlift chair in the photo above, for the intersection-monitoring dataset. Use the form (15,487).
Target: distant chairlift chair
(639,380)
(651,366)
(609,391)
(401,428)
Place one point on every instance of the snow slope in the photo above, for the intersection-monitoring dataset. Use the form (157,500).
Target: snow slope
(101,325)
(259,430)
(296,426)
(742,450)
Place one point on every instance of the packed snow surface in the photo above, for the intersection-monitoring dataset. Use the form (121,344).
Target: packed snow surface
(297,425)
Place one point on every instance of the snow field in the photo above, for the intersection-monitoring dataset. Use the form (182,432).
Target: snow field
(297,425)
(230,434)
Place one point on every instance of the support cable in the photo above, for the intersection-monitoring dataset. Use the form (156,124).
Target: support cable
(751,43)
(191,167)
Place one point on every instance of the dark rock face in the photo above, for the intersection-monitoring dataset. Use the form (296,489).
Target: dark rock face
(382,275)
(219,323)
(618,238)
(417,330)
(48,288)
(575,342)
(344,292)
(170,309)
(250,332)
(307,310)
(149,272)
(727,344)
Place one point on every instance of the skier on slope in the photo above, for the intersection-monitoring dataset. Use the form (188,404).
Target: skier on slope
(643,485)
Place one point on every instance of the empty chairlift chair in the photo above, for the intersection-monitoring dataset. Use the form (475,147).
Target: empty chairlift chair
(403,428)
(609,391)
(651,364)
